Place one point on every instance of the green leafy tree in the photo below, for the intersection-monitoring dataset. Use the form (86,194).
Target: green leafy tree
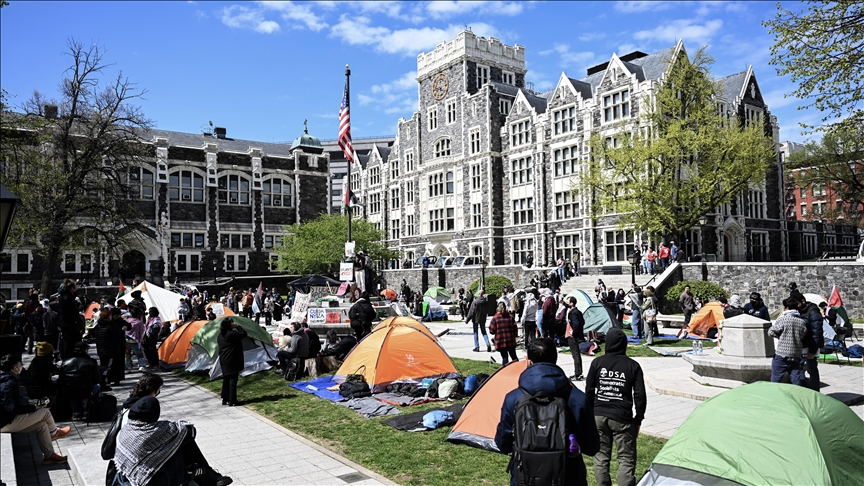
(686,159)
(822,49)
(317,246)
(834,163)
(73,161)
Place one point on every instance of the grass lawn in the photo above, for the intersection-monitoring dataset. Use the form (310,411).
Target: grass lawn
(857,320)
(420,458)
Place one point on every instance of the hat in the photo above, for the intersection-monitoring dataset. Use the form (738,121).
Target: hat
(136,294)
(44,349)
(81,347)
(755,296)
(735,300)
(146,409)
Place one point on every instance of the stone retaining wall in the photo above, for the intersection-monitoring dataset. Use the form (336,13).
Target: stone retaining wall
(772,280)
(455,278)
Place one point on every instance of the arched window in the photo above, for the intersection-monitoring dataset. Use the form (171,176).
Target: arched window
(276,192)
(449,183)
(141,183)
(442,147)
(185,185)
(233,189)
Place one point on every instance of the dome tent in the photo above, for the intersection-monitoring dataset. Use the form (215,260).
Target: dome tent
(204,352)
(582,299)
(598,318)
(708,317)
(174,350)
(155,296)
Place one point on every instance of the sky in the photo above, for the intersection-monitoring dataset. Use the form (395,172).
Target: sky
(260,69)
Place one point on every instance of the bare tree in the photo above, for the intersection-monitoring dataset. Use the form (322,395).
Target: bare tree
(74,163)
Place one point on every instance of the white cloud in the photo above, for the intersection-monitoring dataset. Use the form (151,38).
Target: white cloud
(642,6)
(359,30)
(589,36)
(405,82)
(574,60)
(777,99)
(446,9)
(396,97)
(294,12)
(626,49)
(681,29)
(240,17)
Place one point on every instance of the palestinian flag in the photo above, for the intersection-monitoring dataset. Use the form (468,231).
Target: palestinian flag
(258,303)
(121,291)
(834,300)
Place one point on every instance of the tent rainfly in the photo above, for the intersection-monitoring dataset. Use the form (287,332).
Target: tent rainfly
(204,353)
(155,296)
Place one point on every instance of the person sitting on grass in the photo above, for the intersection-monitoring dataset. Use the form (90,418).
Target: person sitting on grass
(341,348)
(297,348)
(18,415)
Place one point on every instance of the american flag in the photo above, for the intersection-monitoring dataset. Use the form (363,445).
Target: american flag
(344,139)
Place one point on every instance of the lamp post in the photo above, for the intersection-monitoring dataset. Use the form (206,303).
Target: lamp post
(703,220)
(552,235)
(634,258)
(483,273)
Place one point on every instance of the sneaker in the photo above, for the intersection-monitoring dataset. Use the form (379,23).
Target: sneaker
(476,350)
(143,369)
(580,378)
(218,479)
(61,432)
(77,417)
(54,458)
(488,348)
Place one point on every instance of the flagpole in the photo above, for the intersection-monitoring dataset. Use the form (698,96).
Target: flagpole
(348,97)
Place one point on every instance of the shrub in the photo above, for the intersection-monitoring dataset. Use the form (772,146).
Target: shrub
(706,291)
(494,285)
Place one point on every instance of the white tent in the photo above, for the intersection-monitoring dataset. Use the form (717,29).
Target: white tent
(155,296)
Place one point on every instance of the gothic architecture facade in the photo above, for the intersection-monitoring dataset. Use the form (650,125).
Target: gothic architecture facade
(487,165)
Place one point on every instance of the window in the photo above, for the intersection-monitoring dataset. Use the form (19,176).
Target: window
(394,198)
(819,208)
(803,209)
(618,243)
(476,183)
(442,220)
(442,147)
(692,243)
(375,203)
(508,78)
(277,192)
(274,262)
(188,263)
(22,263)
(565,160)
(409,225)
(374,176)
(566,205)
(451,112)
(564,120)
(818,190)
(449,183)
(233,189)
(566,246)
(409,161)
(394,170)
(185,185)
(616,106)
(520,133)
(474,146)
(272,241)
(803,193)
(432,116)
(521,249)
(187,240)
(355,183)
(611,142)
(409,192)
(756,204)
(476,216)
(759,246)
(504,106)
(753,116)
(141,183)
(235,240)
(482,75)
(69,263)
(522,170)
(235,263)
(394,229)
(436,185)
(523,210)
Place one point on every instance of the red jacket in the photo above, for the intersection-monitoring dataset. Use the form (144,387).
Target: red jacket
(664,252)
(504,328)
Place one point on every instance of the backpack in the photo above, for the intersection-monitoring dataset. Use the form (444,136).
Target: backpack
(102,410)
(541,442)
(294,370)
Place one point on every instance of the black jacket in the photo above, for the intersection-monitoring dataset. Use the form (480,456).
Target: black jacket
(361,314)
(11,404)
(314,342)
(477,310)
(342,348)
(69,313)
(51,321)
(577,324)
(615,384)
(109,338)
(41,369)
(231,351)
(78,374)
(813,317)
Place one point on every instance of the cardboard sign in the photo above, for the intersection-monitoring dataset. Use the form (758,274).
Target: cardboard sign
(217,309)
(334,317)
(346,271)
(349,249)
(317,315)
(301,303)
(343,287)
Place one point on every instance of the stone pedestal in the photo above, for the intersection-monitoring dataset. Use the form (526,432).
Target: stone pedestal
(746,357)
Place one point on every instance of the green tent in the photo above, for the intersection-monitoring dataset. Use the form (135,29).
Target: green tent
(598,318)
(440,294)
(258,348)
(764,433)
(207,336)
(582,299)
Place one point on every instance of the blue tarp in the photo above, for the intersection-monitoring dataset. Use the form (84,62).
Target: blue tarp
(321,384)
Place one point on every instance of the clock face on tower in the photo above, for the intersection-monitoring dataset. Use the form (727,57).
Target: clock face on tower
(440,85)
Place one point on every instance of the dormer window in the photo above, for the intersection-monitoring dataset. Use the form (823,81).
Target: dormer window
(616,106)
(508,78)
(520,133)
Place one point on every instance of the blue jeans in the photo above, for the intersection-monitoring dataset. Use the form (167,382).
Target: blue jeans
(562,274)
(636,323)
(780,365)
(482,327)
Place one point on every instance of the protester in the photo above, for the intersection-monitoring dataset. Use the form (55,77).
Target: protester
(71,330)
(756,307)
(688,304)
(503,327)
(649,313)
(813,339)
(230,342)
(620,299)
(477,316)
(314,341)
(340,349)
(575,334)
(615,387)
(110,346)
(636,320)
(663,254)
(529,318)
(79,380)
(42,368)
(550,312)
(734,308)
(152,328)
(51,323)
(362,314)
(599,289)
(17,415)
(298,347)
(544,376)
(790,330)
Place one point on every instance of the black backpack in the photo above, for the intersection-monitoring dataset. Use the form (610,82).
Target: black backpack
(541,440)
(294,369)
(102,410)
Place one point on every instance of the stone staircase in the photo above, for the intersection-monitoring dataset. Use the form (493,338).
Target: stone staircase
(587,283)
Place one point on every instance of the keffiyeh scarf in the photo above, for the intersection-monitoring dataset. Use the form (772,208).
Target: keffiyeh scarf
(143,447)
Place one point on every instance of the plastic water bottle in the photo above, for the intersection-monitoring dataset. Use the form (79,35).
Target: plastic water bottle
(312,387)
(695,347)
(574,447)
(700,347)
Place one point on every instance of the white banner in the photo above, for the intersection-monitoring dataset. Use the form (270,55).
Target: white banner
(317,315)
(301,302)
(349,249)
(346,271)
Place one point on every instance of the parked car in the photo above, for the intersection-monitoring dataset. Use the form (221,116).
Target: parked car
(444,262)
(418,263)
(467,261)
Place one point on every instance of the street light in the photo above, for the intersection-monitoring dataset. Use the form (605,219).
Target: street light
(483,273)
(552,235)
(634,258)
(703,220)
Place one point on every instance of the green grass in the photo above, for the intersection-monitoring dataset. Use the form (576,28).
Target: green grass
(831,360)
(420,458)
(857,320)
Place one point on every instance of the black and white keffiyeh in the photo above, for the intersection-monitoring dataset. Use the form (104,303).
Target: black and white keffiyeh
(143,447)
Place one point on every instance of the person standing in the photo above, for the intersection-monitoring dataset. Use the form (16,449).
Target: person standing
(550,311)
(110,346)
(51,323)
(151,337)
(361,314)
(529,260)
(790,330)
(652,260)
(562,274)
(575,334)
(230,342)
(813,341)
(615,386)
(688,305)
(599,289)
(503,327)
(756,307)
(673,253)
(71,330)
(529,318)
(576,262)
(644,252)
(477,316)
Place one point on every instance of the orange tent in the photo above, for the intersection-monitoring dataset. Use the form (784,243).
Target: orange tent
(479,421)
(93,307)
(399,349)
(174,351)
(389,294)
(708,317)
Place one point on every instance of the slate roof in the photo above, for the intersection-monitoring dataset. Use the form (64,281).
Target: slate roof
(654,65)
(363,159)
(582,88)
(197,140)
(507,89)
(385,153)
(636,69)
(732,85)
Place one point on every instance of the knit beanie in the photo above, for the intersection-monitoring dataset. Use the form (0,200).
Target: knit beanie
(44,349)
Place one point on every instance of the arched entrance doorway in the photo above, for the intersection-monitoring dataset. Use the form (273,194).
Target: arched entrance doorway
(133,264)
